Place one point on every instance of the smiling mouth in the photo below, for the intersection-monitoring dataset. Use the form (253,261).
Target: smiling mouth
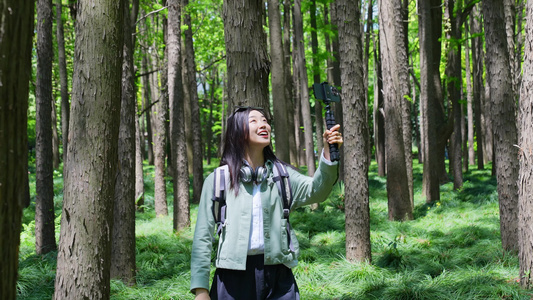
(263,133)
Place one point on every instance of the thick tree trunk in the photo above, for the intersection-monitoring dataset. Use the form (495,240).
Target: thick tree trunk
(44,180)
(16,21)
(429,89)
(279,97)
(181,216)
(196,130)
(123,246)
(525,178)
(84,256)
(247,62)
(504,121)
(355,131)
(395,75)
(304,88)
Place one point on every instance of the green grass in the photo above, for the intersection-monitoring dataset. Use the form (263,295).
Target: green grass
(452,250)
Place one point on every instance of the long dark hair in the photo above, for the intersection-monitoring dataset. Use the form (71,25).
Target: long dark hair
(235,139)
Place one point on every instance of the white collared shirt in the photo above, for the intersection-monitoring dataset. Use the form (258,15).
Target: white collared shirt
(256,243)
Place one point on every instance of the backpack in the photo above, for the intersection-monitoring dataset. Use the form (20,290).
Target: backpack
(281,178)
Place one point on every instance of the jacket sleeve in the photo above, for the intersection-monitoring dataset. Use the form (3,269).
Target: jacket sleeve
(307,190)
(202,245)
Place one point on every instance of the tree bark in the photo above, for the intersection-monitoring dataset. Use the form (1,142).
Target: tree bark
(355,131)
(304,88)
(454,85)
(289,86)
(429,97)
(247,62)
(16,21)
(63,78)
(181,216)
(395,75)
(44,180)
(525,178)
(84,256)
(279,99)
(504,121)
(190,81)
(477,86)
(123,245)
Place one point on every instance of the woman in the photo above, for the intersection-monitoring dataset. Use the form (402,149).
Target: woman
(253,256)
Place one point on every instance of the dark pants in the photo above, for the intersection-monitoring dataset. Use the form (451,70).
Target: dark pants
(256,282)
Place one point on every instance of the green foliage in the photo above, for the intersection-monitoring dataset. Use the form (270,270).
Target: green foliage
(450,251)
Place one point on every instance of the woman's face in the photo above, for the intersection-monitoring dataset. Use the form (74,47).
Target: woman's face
(259,129)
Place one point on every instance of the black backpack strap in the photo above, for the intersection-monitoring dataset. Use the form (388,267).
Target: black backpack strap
(219,197)
(281,177)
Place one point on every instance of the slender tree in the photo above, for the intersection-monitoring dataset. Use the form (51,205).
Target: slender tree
(16,21)
(477,85)
(279,99)
(525,178)
(123,246)
(190,83)
(395,75)
(63,77)
(44,182)
(504,120)
(355,130)
(303,87)
(84,256)
(181,217)
(289,93)
(429,96)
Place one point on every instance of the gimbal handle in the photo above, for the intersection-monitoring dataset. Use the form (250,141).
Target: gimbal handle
(330,122)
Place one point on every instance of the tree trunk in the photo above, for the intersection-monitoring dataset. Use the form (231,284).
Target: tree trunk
(190,66)
(525,178)
(247,61)
(289,93)
(319,119)
(158,118)
(279,99)
(44,180)
(304,88)
(504,121)
(429,86)
(334,76)
(84,257)
(379,118)
(355,130)
(394,64)
(477,86)
(63,78)
(405,102)
(147,102)
(454,82)
(123,245)
(55,136)
(181,216)
(470,100)
(16,21)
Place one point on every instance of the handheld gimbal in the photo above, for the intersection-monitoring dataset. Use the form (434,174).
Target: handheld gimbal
(328,94)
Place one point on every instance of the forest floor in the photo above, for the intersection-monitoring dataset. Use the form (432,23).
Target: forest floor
(452,250)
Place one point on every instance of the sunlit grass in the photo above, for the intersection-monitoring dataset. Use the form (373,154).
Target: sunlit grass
(452,249)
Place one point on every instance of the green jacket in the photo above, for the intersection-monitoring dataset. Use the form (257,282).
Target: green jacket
(233,241)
